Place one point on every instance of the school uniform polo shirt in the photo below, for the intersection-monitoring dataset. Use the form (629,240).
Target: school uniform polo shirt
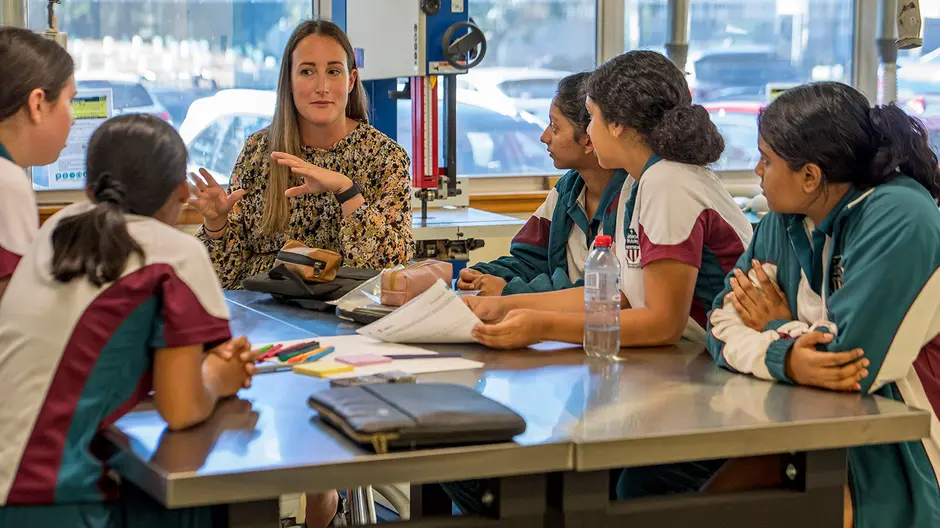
(680,212)
(75,357)
(19,218)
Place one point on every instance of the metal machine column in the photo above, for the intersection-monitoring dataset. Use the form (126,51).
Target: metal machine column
(677,49)
(865,59)
(888,49)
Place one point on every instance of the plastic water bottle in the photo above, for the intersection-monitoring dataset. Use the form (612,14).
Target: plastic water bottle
(602,301)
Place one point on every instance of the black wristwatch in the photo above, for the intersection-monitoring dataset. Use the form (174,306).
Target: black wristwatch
(349,193)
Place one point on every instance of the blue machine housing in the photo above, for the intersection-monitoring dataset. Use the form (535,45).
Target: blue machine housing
(384,108)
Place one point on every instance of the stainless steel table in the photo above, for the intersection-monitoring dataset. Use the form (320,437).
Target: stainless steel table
(266,444)
(670,406)
(258,316)
(584,418)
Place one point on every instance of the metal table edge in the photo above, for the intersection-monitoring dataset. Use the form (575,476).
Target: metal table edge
(751,441)
(188,489)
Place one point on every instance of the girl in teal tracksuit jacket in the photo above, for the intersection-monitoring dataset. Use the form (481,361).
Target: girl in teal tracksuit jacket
(549,252)
(840,287)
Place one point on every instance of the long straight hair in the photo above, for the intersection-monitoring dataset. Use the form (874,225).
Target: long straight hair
(284,133)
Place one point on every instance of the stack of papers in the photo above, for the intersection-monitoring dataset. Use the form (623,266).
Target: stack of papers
(436,316)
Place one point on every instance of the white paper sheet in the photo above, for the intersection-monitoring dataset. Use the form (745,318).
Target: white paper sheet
(357,344)
(436,316)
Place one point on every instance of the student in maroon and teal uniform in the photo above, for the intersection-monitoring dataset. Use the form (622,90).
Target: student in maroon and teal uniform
(109,303)
(549,252)
(35,117)
(840,288)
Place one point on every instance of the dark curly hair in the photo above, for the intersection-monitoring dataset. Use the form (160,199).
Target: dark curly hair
(831,125)
(646,92)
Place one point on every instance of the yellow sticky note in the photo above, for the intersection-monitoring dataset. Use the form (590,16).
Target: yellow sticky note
(321,369)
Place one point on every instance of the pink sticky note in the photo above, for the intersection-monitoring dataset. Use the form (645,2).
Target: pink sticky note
(362,360)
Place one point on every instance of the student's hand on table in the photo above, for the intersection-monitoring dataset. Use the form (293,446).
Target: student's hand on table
(489,285)
(758,307)
(317,180)
(467,277)
(211,200)
(838,371)
(234,355)
(238,347)
(488,309)
(519,329)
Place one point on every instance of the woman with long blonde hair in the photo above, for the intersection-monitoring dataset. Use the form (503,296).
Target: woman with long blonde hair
(319,174)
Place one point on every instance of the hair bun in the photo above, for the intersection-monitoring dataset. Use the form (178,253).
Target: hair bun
(702,144)
(679,111)
(109,189)
(679,115)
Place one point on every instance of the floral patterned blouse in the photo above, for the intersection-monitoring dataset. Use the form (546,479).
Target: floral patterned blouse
(378,235)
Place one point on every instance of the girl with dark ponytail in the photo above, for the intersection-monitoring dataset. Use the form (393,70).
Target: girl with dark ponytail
(95,244)
(35,95)
(110,302)
(678,231)
(841,289)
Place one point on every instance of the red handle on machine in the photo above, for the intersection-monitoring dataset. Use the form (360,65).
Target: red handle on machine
(424,138)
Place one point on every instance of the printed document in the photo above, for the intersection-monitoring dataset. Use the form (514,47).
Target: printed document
(436,316)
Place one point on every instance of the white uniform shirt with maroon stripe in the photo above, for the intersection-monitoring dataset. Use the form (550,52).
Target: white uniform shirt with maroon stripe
(75,357)
(680,212)
(19,218)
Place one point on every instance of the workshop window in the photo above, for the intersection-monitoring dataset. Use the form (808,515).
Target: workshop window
(179,61)
(740,51)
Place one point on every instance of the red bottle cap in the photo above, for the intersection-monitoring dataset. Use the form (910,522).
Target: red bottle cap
(603,241)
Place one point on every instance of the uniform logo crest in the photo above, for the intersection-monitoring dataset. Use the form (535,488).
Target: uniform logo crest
(632,249)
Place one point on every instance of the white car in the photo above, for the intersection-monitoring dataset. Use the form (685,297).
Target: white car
(216,127)
(529,89)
